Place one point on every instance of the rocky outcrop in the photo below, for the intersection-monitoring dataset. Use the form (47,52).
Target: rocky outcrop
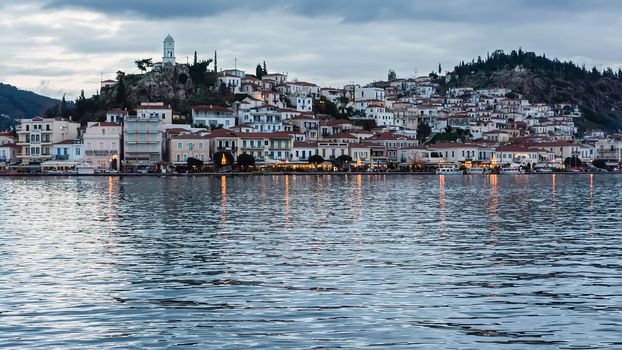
(171,84)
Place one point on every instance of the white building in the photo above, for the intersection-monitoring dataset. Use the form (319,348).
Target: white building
(303,103)
(380,115)
(213,116)
(69,150)
(231,81)
(158,110)
(116,115)
(369,93)
(36,137)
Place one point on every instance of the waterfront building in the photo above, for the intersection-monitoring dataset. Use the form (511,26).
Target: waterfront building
(37,136)
(332,150)
(269,147)
(301,151)
(68,150)
(142,142)
(455,152)
(392,142)
(223,140)
(8,153)
(182,147)
(102,145)
(7,138)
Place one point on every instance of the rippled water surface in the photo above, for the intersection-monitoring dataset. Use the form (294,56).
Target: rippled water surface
(300,262)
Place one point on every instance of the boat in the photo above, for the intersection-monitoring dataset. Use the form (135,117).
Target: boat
(85,169)
(478,171)
(511,170)
(449,171)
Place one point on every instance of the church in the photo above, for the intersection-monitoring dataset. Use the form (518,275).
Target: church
(168,53)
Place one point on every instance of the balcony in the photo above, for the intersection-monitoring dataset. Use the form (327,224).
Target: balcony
(134,142)
(141,131)
(100,152)
(230,149)
(61,157)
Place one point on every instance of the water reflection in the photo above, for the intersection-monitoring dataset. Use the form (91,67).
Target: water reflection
(223,199)
(494,203)
(210,262)
(441,203)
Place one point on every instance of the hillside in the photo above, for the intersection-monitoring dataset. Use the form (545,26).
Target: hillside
(180,86)
(18,103)
(539,79)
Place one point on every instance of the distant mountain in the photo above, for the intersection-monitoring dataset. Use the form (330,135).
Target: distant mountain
(544,80)
(19,104)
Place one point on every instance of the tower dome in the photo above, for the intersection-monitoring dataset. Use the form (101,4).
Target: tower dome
(169,50)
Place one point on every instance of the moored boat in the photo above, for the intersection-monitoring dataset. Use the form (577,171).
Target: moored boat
(449,171)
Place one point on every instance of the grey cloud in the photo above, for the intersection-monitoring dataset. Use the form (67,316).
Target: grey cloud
(352,10)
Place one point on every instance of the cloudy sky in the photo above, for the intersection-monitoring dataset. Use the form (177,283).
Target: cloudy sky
(58,46)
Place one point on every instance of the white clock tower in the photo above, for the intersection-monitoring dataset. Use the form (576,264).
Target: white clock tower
(169,50)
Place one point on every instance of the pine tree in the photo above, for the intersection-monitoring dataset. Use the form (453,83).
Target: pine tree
(196,60)
(440,70)
(265,71)
(259,71)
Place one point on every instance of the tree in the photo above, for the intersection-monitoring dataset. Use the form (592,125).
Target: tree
(423,131)
(196,60)
(223,159)
(342,160)
(246,160)
(573,162)
(259,71)
(392,75)
(316,159)
(194,164)
(265,70)
(440,70)
(121,97)
(143,64)
(198,73)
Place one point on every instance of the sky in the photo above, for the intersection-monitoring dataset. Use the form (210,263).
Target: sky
(55,47)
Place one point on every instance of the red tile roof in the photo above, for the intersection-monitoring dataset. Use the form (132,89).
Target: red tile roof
(66,142)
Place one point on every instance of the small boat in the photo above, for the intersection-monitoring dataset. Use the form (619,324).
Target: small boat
(449,171)
(85,169)
(478,171)
(511,171)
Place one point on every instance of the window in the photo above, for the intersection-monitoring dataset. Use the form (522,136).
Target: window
(178,157)
(200,145)
(78,152)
